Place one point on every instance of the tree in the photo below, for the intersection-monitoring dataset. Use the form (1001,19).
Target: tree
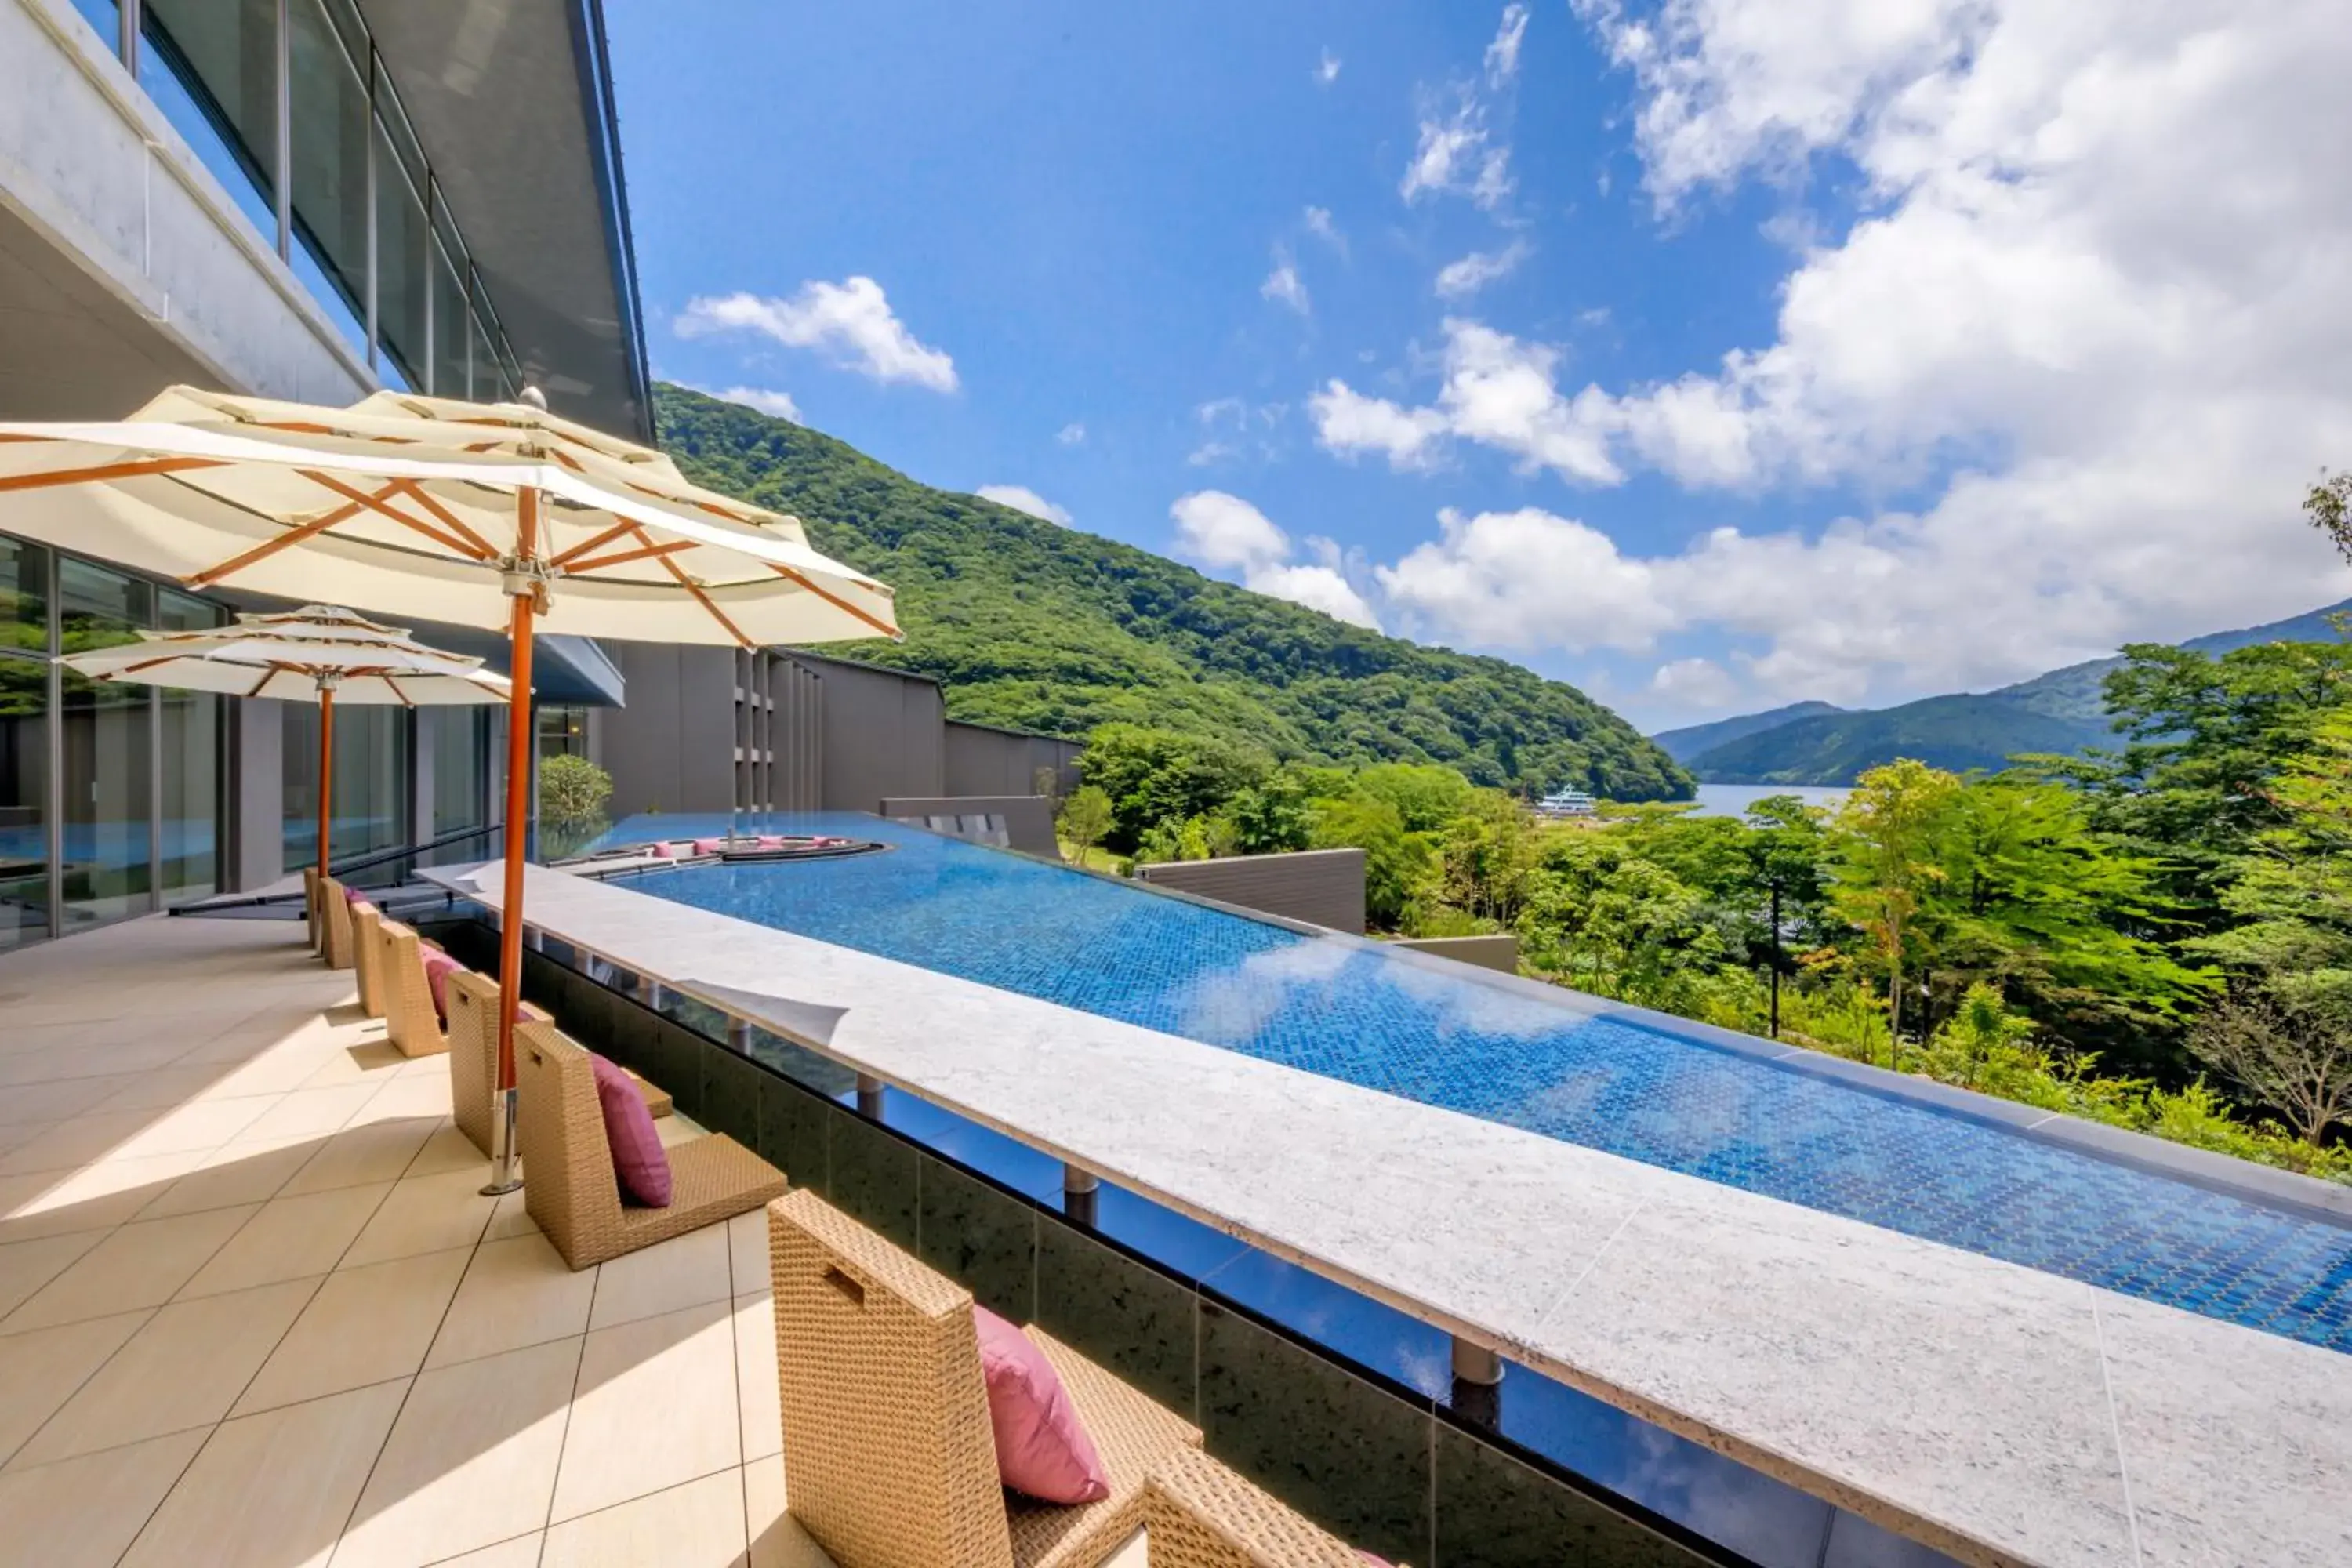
(1154,776)
(572,790)
(1396,863)
(1885,859)
(1085,817)
(2296,1059)
(1274,817)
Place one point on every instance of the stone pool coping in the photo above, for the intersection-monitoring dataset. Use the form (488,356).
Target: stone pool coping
(2001,1415)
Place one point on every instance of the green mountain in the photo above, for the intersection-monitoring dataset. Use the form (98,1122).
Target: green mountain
(2061,711)
(1683,744)
(1041,627)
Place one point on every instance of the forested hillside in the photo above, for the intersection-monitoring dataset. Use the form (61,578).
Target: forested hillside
(1045,627)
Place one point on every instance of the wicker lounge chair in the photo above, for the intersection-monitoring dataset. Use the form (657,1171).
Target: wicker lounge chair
(474,1059)
(885,1427)
(367,957)
(1197,1513)
(335,921)
(410,1021)
(571,1189)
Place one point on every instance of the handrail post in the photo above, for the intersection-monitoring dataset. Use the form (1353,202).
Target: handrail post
(1081,1194)
(1477,1384)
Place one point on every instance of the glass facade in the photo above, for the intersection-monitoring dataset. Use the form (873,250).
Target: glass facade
(226,73)
(110,795)
(460,738)
(370,805)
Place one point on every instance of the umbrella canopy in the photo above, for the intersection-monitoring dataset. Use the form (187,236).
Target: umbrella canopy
(408,505)
(299,657)
(481,514)
(320,654)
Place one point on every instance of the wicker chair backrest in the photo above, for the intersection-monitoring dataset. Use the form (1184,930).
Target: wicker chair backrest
(568,1177)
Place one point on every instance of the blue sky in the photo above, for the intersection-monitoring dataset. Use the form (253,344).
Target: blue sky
(1182,274)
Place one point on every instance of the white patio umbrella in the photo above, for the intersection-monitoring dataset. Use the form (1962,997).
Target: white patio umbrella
(319,654)
(478,514)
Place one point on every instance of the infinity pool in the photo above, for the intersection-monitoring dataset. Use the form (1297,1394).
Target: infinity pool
(1330,1006)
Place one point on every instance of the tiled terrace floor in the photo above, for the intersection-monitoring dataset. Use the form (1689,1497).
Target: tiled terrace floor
(252,1310)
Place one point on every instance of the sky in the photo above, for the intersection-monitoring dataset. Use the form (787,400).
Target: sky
(1712,354)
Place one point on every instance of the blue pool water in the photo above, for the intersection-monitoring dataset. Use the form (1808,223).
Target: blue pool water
(1330,1006)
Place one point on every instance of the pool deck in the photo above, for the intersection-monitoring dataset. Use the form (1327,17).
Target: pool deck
(2000,1414)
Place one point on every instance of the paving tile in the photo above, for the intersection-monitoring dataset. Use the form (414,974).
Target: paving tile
(184,1367)
(40,1205)
(777,1538)
(41,1370)
(471,1461)
(684,1271)
(232,1174)
(163,1087)
(375,1151)
(755,1377)
(522,1552)
(26,1265)
(46,1102)
(272,1491)
(655,1408)
(418,1094)
(446,1150)
(202,1124)
(78,1142)
(140,1265)
(83,1512)
(312,1112)
(372,1062)
(518,1291)
(288,1238)
(698,1525)
(747,1253)
(424,1214)
(366,1325)
(511,1217)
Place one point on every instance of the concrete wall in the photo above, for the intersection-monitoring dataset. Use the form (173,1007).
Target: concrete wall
(1501,952)
(672,748)
(90,165)
(884,735)
(1023,822)
(1321,887)
(983,760)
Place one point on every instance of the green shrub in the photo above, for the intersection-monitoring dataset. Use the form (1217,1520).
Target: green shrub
(572,790)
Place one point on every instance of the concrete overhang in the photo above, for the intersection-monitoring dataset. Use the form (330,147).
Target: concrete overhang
(512,101)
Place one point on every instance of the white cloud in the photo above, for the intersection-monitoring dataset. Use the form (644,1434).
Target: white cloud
(1234,428)
(766,399)
(1457,280)
(851,320)
(1284,286)
(1224,532)
(1327,69)
(1021,497)
(1498,391)
(1526,580)
(1457,150)
(1071,435)
(1693,683)
(1503,54)
(1319,224)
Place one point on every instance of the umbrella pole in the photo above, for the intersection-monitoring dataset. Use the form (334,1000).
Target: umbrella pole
(518,725)
(326,769)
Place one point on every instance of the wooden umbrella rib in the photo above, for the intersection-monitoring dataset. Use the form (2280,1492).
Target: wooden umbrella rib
(601,562)
(377,505)
(268,548)
(700,597)
(105,472)
(598,543)
(449,520)
(835,600)
(392,683)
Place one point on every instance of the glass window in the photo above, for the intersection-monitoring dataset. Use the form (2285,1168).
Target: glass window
(330,143)
(104,734)
(178,612)
(449,325)
(98,608)
(191,807)
(211,66)
(24,778)
(563,731)
(484,363)
(24,596)
(461,765)
(400,285)
(371,798)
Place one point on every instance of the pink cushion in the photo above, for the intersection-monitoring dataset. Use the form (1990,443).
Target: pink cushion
(661,852)
(771,841)
(354,896)
(1041,1450)
(637,1155)
(706,847)
(438,967)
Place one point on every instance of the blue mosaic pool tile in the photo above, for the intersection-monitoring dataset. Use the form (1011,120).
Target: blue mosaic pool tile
(1375,1020)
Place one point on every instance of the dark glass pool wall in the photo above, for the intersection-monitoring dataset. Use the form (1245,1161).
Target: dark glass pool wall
(1342,1406)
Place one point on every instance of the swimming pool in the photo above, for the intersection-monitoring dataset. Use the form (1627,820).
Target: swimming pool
(1332,1006)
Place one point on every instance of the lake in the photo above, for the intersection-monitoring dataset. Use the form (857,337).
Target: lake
(1733,800)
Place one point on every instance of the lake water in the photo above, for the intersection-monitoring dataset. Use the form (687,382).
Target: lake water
(1733,800)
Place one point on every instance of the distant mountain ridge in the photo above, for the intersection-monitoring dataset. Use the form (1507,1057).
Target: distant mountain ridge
(2060,711)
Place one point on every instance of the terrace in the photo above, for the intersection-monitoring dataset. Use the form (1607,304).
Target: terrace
(252,1309)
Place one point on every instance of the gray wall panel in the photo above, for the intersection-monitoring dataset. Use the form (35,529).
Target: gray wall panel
(1322,887)
(1487,952)
(981,760)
